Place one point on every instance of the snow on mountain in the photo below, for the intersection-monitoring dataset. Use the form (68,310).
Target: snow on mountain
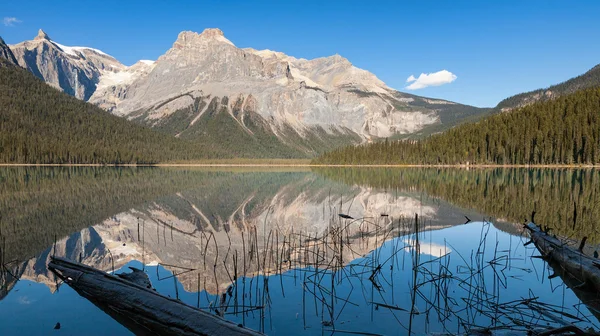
(75,70)
(201,75)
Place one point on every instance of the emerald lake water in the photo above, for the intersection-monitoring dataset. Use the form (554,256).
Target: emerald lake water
(419,251)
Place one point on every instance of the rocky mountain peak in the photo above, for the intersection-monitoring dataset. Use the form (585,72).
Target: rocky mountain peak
(209,35)
(212,33)
(42,36)
(282,94)
(336,60)
(74,70)
(339,58)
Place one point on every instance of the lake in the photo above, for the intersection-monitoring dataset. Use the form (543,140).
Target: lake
(298,251)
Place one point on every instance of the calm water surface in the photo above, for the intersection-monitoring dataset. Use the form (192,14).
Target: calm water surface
(269,250)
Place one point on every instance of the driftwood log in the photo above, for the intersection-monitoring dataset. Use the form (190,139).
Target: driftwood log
(585,269)
(580,272)
(131,301)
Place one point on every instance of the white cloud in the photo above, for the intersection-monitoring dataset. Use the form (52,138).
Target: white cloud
(10,21)
(430,79)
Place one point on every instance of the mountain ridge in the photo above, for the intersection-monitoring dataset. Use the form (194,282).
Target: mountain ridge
(304,106)
(589,79)
(74,70)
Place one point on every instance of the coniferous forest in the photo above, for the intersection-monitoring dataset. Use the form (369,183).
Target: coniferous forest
(561,131)
(41,125)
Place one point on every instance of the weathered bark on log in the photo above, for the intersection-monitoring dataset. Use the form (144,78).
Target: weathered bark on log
(579,272)
(580,266)
(140,309)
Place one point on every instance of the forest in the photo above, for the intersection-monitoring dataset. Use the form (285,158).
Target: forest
(561,131)
(41,125)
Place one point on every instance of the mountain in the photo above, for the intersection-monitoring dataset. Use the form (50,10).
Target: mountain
(74,70)
(590,79)
(287,93)
(450,115)
(39,124)
(290,97)
(244,102)
(564,130)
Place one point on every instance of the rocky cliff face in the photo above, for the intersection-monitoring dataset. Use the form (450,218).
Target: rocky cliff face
(329,93)
(6,53)
(74,70)
(206,89)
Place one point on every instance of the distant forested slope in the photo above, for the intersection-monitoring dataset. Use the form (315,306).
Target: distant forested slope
(560,131)
(590,79)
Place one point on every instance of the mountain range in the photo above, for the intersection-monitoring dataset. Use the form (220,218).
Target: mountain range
(222,101)
(206,89)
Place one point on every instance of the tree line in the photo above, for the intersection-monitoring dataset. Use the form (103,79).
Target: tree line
(561,131)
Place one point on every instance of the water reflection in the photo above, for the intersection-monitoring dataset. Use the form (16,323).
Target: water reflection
(275,240)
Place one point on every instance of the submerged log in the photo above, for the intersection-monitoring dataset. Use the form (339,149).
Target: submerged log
(579,272)
(137,306)
(585,269)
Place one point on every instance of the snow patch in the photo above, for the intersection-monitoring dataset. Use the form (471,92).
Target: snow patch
(75,50)
(266,53)
(68,50)
(98,51)
(116,78)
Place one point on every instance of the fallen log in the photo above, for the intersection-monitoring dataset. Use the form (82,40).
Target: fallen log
(131,301)
(579,272)
(585,269)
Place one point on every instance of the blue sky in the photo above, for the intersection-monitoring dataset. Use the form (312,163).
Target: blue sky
(494,48)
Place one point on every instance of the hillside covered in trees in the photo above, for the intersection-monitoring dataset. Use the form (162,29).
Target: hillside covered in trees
(41,125)
(590,79)
(561,131)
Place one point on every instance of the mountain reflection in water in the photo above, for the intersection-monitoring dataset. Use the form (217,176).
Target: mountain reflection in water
(268,248)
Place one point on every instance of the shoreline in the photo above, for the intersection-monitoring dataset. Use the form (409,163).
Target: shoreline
(298,165)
